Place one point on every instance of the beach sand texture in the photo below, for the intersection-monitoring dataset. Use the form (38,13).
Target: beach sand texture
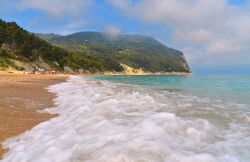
(20,98)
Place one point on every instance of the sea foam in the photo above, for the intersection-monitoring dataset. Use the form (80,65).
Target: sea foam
(100,121)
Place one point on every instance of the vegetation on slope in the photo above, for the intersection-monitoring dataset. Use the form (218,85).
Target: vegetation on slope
(85,52)
(18,44)
(136,51)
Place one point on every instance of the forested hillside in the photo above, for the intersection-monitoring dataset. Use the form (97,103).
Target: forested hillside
(133,50)
(22,50)
(92,52)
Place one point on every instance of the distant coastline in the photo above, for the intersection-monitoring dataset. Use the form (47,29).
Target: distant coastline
(148,73)
(133,71)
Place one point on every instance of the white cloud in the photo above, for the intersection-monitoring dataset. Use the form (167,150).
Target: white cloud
(112,30)
(57,7)
(75,25)
(203,29)
(197,36)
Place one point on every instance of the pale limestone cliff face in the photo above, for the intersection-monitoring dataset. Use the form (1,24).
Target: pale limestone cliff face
(132,71)
(30,66)
(128,71)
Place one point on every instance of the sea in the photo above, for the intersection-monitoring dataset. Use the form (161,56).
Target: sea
(165,118)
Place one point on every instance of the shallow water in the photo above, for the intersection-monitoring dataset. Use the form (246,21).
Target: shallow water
(102,121)
(226,87)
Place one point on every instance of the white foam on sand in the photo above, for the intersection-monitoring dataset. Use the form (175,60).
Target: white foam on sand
(101,121)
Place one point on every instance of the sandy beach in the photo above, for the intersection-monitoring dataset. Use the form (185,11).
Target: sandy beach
(20,98)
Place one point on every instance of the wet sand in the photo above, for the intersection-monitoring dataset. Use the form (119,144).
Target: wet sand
(20,98)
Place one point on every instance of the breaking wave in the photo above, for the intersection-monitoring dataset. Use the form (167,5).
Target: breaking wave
(100,121)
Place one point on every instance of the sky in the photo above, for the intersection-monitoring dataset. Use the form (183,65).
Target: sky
(214,35)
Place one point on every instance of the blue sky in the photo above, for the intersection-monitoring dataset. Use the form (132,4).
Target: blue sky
(213,34)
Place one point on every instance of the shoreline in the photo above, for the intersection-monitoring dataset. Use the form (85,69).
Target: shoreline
(166,73)
(130,72)
(138,74)
(101,125)
(21,97)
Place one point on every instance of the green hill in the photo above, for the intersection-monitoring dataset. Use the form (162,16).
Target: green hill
(22,50)
(133,50)
(93,52)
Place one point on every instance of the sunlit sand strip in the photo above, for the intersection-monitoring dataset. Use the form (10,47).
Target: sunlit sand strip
(20,98)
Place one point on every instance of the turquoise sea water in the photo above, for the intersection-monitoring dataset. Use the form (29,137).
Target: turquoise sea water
(225,87)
